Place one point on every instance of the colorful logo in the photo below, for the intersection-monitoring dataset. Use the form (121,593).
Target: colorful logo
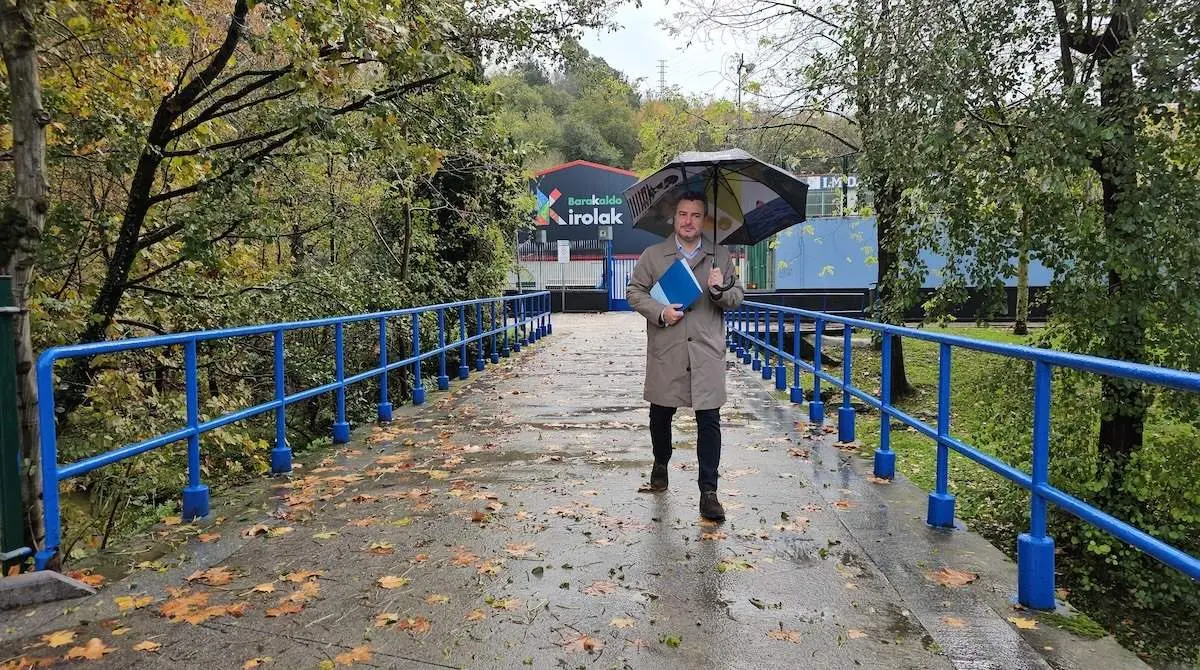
(545,212)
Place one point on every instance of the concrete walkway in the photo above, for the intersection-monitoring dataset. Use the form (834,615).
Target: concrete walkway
(501,527)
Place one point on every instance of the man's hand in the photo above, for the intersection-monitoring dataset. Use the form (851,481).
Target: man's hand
(672,315)
(715,278)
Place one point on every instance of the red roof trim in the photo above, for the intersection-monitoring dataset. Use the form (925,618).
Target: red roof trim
(590,164)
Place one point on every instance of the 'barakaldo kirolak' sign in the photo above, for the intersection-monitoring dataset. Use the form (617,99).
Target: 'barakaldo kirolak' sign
(575,198)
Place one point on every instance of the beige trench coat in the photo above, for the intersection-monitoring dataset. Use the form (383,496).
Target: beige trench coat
(685,363)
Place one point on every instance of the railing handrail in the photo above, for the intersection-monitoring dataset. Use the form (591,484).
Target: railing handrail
(1180,380)
(530,321)
(751,325)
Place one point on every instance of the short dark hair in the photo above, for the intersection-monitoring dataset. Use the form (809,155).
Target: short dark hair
(694,197)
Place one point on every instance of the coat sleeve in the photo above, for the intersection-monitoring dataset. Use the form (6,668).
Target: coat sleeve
(731,298)
(638,292)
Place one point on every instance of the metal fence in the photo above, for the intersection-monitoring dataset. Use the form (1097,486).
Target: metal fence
(538,267)
(502,325)
(752,328)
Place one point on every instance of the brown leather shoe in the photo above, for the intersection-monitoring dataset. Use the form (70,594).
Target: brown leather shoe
(710,507)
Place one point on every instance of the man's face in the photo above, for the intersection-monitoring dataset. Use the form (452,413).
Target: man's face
(689,217)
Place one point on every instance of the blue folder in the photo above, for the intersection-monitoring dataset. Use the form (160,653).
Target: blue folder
(677,286)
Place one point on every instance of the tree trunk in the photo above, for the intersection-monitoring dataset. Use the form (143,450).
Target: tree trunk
(24,218)
(1021,324)
(891,301)
(1123,403)
(408,232)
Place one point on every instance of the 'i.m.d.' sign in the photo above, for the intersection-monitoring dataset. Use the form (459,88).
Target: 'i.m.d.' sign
(574,199)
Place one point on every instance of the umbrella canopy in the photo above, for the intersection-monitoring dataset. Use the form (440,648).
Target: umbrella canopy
(748,200)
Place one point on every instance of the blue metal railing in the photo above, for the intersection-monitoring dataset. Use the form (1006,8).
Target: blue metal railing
(750,333)
(526,316)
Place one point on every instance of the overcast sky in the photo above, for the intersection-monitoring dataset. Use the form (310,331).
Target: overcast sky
(637,47)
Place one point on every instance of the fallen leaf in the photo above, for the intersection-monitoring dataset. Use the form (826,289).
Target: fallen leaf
(363,498)
(622,622)
(208,537)
(386,619)
(491,568)
(324,536)
(843,504)
(715,535)
(356,655)
(798,452)
(256,662)
(218,576)
(416,626)
(738,565)
(520,549)
(510,604)
(583,642)
(364,522)
(461,557)
(267,587)
(1023,623)
(147,646)
(878,480)
(121,630)
(785,635)
(420,558)
(172,520)
(855,634)
(302,575)
(197,618)
(381,549)
(94,650)
(478,517)
(954,622)
(282,530)
(255,530)
(600,588)
(87,577)
(285,607)
(392,582)
(951,577)
(437,599)
(132,602)
(59,638)
(475,615)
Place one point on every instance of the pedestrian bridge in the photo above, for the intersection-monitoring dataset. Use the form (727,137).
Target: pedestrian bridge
(496,521)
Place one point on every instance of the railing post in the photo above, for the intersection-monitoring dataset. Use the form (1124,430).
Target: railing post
(195,494)
(1035,549)
(816,406)
(281,455)
(780,370)
(12,529)
(767,369)
(443,379)
(504,350)
(418,380)
(518,327)
(885,458)
(341,429)
(797,394)
(846,411)
(385,404)
(479,331)
(495,335)
(756,364)
(47,434)
(744,348)
(549,312)
(464,370)
(941,503)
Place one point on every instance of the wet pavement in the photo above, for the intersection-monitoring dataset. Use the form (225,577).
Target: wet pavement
(501,526)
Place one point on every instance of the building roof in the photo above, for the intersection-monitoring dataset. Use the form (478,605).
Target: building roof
(598,166)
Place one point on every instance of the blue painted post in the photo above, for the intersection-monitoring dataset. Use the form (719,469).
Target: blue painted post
(766,368)
(195,494)
(443,380)
(846,411)
(281,455)
(341,429)
(756,365)
(464,370)
(797,394)
(739,325)
(545,315)
(504,351)
(518,314)
(418,381)
(747,346)
(1035,549)
(941,503)
(48,440)
(816,407)
(780,370)
(495,336)
(479,331)
(885,458)
(527,321)
(385,403)
(546,306)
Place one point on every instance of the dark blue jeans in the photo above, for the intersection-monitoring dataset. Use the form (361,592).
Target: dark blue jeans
(708,441)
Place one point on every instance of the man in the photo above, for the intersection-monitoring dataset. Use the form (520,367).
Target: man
(685,347)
